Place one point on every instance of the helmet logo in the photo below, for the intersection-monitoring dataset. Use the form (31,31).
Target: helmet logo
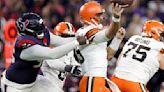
(21,26)
(26,22)
(41,21)
(156,30)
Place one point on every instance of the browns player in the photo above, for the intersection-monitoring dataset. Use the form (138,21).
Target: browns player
(95,61)
(140,58)
(55,70)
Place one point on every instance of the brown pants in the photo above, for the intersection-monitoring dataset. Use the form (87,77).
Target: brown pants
(93,84)
(129,86)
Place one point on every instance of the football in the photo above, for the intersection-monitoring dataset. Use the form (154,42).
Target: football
(123,2)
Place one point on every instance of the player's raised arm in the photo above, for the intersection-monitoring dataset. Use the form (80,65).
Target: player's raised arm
(91,15)
(114,45)
(117,10)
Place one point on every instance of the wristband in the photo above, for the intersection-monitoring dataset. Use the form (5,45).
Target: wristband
(115,43)
(115,19)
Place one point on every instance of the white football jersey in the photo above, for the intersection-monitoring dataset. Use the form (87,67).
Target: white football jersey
(95,55)
(52,69)
(138,60)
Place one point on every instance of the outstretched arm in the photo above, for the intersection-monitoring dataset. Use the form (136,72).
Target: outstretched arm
(38,52)
(57,40)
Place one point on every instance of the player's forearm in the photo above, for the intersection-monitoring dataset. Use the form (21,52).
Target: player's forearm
(110,53)
(40,53)
(113,47)
(57,40)
(55,64)
(113,28)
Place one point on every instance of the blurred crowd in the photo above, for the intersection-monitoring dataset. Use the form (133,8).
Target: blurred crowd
(55,11)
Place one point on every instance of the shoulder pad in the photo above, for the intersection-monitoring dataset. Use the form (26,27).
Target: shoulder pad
(91,32)
(82,31)
(26,41)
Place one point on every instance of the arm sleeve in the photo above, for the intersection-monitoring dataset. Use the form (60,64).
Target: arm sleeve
(57,40)
(37,52)
(55,64)
(100,37)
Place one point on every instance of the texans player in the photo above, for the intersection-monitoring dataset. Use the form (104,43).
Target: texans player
(31,48)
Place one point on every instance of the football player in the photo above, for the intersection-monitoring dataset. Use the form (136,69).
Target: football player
(94,65)
(55,70)
(140,58)
(31,48)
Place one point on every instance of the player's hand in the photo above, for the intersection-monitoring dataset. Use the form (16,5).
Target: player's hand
(82,40)
(117,9)
(121,33)
(75,70)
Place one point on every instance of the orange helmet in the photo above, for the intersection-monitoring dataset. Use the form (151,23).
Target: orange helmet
(64,29)
(153,29)
(89,11)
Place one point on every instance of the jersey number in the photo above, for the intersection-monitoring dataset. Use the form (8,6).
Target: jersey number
(61,75)
(140,51)
(78,56)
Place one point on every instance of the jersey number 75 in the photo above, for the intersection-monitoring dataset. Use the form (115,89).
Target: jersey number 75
(140,50)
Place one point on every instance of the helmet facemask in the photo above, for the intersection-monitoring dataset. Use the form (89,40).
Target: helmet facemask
(96,20)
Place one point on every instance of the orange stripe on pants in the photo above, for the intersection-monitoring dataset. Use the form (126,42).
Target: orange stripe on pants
(93,84)
(128,86)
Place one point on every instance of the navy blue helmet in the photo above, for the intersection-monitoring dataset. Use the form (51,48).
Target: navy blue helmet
(30,24)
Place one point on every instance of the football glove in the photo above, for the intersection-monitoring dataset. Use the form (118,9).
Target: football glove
(75,70)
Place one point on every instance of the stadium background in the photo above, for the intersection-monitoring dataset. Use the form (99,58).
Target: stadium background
(54,11)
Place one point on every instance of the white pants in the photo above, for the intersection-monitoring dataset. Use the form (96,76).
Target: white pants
(42,84)
(6,88)
(45,85)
